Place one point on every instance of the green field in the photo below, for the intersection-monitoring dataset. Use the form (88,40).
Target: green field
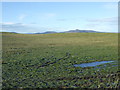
(47,60)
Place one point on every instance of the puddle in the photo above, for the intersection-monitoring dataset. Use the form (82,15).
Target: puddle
(114,65)
(92,64)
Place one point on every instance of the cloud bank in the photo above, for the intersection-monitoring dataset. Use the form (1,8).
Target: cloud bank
(26,28)
(104,24)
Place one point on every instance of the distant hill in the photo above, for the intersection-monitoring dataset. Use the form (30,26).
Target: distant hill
(71,31)
(10,32)
(48,32)
(80,31)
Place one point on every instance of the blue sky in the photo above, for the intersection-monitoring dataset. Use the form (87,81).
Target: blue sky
(31,17)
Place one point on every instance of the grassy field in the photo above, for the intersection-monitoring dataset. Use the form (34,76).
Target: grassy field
(47,60)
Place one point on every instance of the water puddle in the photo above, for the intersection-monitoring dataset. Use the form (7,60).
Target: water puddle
(92,64)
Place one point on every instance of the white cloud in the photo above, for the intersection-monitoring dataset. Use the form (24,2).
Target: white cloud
(25,28)
(104,24)
(48,16)
(110,21)
(102,28)
(16,27)
(7,23)
(111,5)
(61,19)
(22,17)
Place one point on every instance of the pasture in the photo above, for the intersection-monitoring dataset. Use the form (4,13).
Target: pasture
(47,60)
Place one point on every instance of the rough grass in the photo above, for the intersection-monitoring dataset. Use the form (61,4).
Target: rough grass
(46,60)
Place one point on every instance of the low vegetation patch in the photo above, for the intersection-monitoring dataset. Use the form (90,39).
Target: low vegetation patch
(47,60)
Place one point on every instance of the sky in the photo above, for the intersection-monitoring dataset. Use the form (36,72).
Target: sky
(34,17)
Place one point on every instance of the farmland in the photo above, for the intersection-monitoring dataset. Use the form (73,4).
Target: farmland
(47,60)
